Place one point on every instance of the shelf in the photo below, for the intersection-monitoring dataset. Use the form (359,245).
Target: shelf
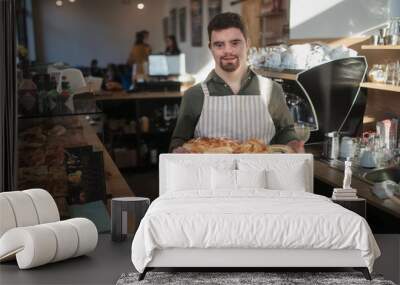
(380,86)
(276,74)
(379,47)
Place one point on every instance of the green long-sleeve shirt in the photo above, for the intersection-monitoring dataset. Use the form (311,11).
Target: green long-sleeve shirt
(192,105)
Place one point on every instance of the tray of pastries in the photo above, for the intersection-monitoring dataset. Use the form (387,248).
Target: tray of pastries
(224,145)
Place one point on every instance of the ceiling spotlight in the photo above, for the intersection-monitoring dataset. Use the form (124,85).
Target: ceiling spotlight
(140,6)
(72,1)
(59,3)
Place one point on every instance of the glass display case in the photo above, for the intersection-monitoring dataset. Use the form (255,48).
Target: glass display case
(60,150)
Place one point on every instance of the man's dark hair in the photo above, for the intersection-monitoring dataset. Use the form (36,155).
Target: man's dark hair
(225,21)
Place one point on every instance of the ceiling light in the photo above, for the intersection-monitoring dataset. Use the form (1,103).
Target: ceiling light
(140,6)
(59,3)
(72,1)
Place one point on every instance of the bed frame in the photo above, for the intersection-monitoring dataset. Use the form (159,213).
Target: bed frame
(242,259)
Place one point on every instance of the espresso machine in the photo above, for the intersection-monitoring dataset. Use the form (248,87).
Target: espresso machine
(328,97)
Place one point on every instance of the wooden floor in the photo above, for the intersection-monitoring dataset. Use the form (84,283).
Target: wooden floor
(103,266)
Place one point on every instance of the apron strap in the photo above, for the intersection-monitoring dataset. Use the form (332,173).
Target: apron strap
(205,89)
(265,85)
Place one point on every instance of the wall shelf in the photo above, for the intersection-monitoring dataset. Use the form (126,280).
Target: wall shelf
(276,74)
(380,47)
(380,86)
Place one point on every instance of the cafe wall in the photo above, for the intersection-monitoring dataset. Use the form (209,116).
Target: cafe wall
(337,18)
(78,32)
(198,59)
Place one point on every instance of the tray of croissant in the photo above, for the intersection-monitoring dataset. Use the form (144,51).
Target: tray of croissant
(224,145)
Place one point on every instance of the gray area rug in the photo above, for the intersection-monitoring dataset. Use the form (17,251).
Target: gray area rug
(269,278)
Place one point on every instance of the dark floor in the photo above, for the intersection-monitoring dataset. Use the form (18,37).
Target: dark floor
(102,266)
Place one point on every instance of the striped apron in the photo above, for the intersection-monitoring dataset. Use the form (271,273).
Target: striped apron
(239,117)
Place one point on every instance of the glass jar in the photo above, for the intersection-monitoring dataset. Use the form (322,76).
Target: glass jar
(377,74)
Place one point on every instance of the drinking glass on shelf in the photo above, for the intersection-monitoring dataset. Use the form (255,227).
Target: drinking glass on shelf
(394,31)
(377,74)
(303,131)
(397,73)
(392,73)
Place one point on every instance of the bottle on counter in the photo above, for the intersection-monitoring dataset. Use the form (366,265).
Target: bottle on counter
(144,124)
(153,154)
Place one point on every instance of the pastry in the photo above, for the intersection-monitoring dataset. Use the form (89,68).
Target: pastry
(224,145)
(211,145)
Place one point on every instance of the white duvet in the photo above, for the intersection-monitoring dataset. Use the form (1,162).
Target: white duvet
(253,218)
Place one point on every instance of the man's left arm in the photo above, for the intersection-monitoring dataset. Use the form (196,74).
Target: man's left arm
(283,120)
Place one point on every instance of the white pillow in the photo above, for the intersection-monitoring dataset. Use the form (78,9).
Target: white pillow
(282,174)
(237,179)
(182,177)
(251,178)
(223,179)
(293,180)
(193,172)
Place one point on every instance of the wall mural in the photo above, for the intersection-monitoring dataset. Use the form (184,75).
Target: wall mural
(214,8)
(165,27)
(182,24)
(196,11)
(173,22)
(274,21)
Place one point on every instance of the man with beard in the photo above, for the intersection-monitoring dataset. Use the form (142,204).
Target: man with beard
(234,102)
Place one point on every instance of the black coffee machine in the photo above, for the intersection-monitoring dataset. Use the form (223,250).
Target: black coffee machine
(328,97)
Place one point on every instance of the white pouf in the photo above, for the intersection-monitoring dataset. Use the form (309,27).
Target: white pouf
(41,244)
(31,230)
(45,205)
(23,208)
(7,220)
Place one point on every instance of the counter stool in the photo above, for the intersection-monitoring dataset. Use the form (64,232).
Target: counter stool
(120,208)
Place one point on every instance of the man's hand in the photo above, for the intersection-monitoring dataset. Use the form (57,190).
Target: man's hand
(297,146)
(180,149)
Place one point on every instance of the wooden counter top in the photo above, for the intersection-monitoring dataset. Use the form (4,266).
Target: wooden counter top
(334,177)
(123,95)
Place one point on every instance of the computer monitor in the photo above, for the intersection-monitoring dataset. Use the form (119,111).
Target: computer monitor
(158,65)
(165,65)
(176,64)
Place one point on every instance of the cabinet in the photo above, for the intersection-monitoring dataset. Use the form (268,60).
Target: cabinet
(358,206)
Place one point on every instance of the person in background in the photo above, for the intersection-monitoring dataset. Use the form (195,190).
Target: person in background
(139,55)
(94,69)
(234,102)
(172,46)
(112,80)
(146,36)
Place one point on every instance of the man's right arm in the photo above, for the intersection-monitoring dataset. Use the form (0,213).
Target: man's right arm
(189,113)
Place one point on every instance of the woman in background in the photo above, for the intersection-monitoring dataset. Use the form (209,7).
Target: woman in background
(112,79)
(138,56)
(172,46)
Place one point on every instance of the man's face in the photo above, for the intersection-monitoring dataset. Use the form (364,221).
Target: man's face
(229,48)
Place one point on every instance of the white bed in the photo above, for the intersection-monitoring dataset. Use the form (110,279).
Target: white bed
(266,216)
